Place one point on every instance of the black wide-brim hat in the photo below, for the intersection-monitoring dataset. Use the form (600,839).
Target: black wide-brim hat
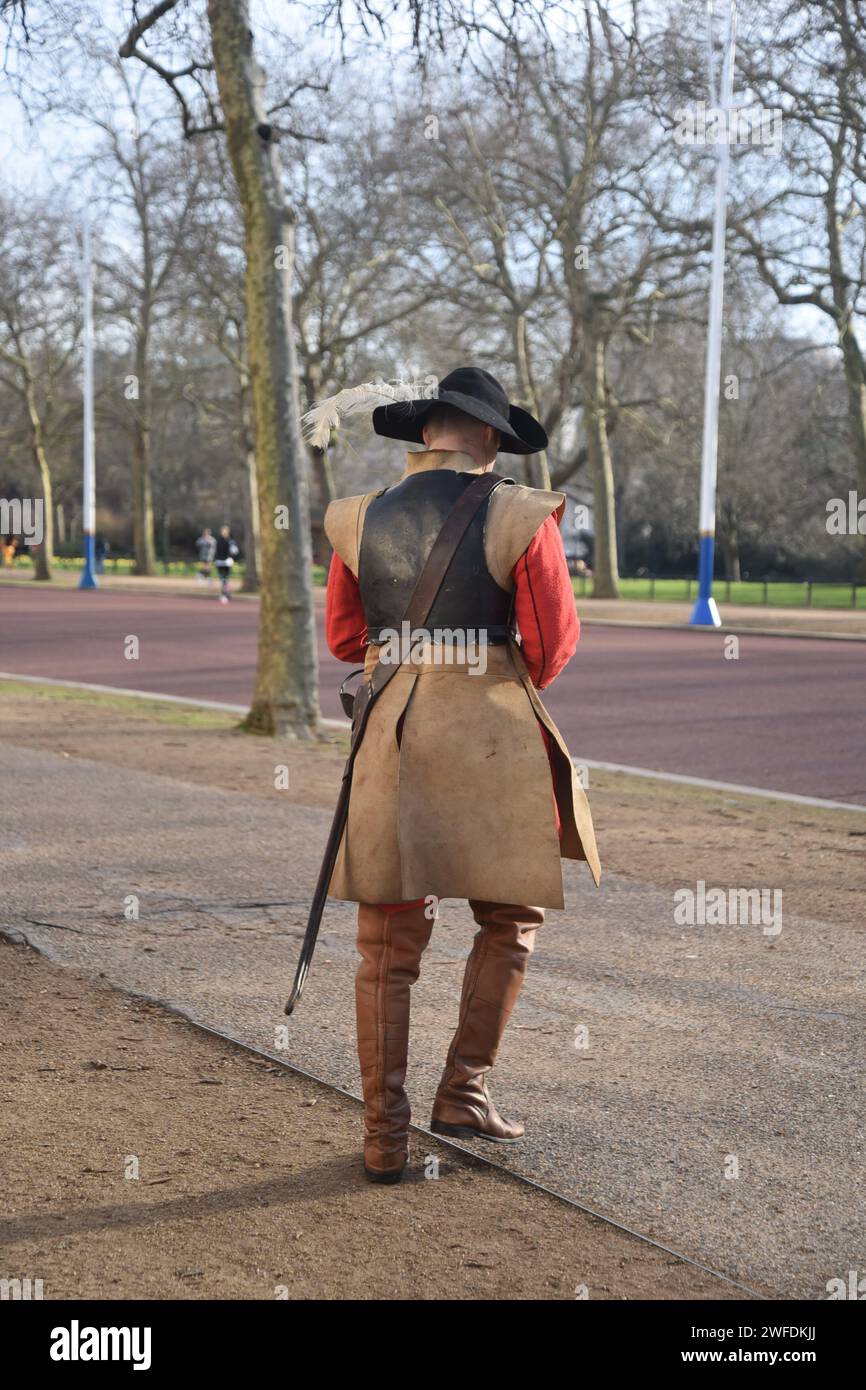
(476,393)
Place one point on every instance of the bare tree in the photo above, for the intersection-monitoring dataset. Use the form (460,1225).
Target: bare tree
(39,332)
(806,232)
(152,187)
(211,289)
(286,694)
(358,273)
(553,206)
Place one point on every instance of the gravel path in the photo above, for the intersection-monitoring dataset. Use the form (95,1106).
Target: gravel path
(710,1048)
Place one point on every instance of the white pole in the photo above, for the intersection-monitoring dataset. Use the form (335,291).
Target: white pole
(88,574)
(705,612)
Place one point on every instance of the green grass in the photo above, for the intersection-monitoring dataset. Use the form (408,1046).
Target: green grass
(125,565)
(122,565)
(183,569)
(158,711)
(782,594)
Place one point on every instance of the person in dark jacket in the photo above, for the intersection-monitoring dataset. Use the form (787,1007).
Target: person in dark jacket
(226,554)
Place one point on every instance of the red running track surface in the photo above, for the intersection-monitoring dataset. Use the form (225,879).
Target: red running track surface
(787,715)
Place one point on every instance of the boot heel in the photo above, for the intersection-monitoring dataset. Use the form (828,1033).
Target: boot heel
(454,1131)
(386,1177)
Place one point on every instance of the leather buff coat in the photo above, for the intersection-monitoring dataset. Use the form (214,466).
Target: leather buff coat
(463,805)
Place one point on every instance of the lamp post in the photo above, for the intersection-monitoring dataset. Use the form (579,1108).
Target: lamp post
(705,613)
(88,574)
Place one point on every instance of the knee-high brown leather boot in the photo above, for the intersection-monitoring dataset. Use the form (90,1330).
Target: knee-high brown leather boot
(494,974)
(391,945)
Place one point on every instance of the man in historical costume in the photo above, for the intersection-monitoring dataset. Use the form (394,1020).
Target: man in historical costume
(463,786)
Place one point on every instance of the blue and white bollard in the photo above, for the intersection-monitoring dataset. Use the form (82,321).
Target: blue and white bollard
(88,578)
(705,613)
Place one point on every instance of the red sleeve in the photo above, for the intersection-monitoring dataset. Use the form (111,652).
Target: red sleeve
(345,623)
(544,605)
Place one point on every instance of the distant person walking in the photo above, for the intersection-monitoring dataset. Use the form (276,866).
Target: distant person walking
(226,554)
(206,546)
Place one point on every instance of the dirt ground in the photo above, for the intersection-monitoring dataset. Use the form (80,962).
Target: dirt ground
(143,1158)
(661,832)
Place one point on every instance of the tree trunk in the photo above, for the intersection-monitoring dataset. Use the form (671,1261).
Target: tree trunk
(852,358)
(605,563)
(327,491)
(252,532)
(143,532)
(44,555)
(855,383)
(730,547)
(537,466)
(320,466)
(286,692)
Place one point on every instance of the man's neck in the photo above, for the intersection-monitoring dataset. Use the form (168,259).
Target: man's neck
(454,443)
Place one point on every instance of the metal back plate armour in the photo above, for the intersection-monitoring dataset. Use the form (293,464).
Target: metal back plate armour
(400,527)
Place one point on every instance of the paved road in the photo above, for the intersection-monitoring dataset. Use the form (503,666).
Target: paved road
(787,714)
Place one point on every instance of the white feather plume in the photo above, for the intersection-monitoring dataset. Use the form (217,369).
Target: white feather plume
(356,400)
